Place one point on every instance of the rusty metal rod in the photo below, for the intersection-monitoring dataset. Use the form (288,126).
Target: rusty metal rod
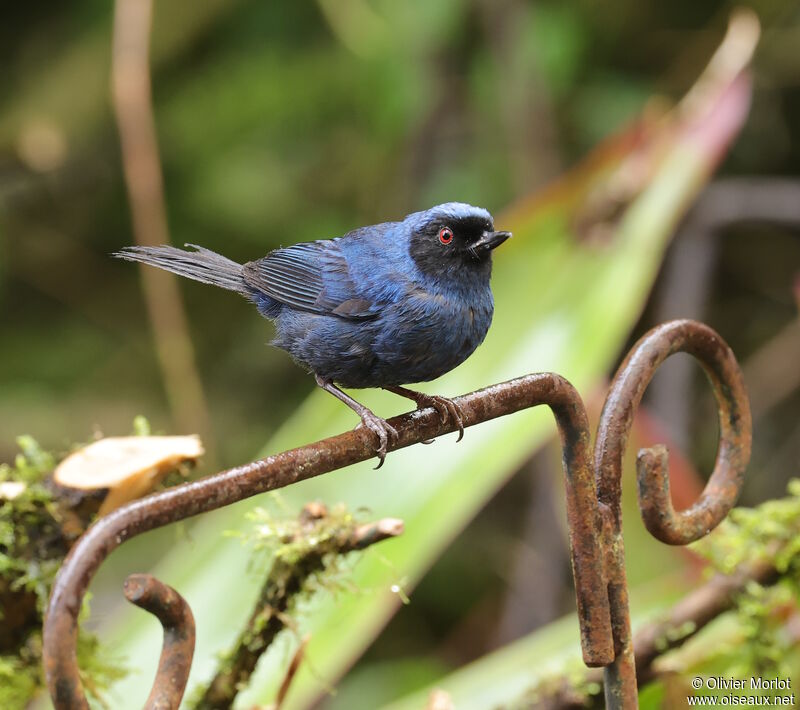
(718,497)
(184,501)
(176,619)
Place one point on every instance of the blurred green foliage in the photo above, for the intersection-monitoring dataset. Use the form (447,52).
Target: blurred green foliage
(274,130)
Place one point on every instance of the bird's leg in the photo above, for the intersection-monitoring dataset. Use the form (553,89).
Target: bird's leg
(374,423)
(447,408)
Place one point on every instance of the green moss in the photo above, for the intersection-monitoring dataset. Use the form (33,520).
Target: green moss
(19,680)
(141,426)
(99,670)
(26,561)
(768,533)
(286,541)
(32,548)
(21,674)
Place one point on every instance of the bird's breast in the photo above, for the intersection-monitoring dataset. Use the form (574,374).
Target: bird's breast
(427,334)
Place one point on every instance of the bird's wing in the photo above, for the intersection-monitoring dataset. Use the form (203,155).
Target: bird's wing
(312,276)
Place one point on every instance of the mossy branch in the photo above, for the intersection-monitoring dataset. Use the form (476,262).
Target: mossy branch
(307,546)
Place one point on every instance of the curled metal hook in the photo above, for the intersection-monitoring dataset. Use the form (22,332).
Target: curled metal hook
(660,518)
(72,581)
(177,621)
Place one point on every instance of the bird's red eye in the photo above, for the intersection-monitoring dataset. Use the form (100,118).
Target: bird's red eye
(445,235)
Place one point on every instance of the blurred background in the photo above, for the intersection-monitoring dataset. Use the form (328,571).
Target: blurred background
(285,122)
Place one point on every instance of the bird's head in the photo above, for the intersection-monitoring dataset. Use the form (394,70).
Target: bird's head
(453,237)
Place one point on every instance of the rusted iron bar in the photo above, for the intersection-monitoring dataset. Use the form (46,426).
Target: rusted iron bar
(177,621)
(184,501)
(718,497)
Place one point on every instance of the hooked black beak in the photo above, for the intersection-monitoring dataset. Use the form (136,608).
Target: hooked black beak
(489,240)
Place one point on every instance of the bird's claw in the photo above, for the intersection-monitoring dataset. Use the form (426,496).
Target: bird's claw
(448,410)
(385,432)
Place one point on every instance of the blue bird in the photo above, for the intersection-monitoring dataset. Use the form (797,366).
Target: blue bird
(382,306)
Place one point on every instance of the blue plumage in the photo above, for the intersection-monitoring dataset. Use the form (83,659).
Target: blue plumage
(382,306)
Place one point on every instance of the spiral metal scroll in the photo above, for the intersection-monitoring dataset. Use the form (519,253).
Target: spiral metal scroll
(592,497)
(660,518)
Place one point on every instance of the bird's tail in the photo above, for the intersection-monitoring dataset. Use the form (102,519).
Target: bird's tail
(201,265)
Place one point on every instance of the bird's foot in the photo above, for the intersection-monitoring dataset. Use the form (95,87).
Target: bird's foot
(447,408)
(380,427)
(385,432)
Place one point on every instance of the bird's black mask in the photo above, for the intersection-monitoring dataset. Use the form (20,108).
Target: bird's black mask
(461,244)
